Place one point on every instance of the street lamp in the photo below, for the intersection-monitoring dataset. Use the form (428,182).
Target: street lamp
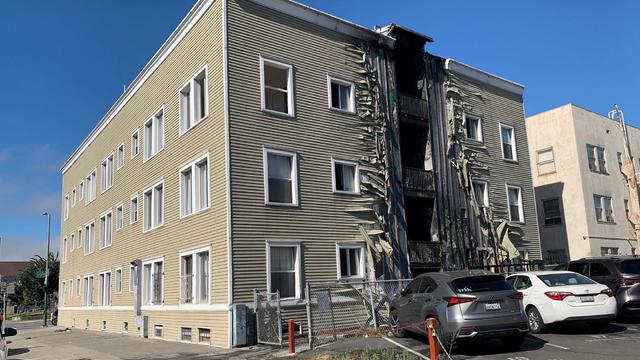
(46,268)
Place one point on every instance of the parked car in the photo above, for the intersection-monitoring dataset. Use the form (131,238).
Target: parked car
(4,350)
(620,273)
(563,296)
(466,305)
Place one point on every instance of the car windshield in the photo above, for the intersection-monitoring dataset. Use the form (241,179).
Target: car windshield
(480,284)
(563,279)
(630,267)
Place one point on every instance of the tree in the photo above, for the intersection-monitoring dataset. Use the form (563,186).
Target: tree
(30,282)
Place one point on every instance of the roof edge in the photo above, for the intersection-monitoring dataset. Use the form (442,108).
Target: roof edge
(483,76)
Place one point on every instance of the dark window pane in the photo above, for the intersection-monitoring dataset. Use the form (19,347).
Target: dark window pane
(480,284)
(335,96)
(285,282)
(276,100)
(344,270)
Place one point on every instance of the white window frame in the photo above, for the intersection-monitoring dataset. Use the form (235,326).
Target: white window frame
(105,286)
(601,199)
(135,150)
(200,331)
(137,211)
(120,156)
(92,235)
(62,294)
(480,138)
(298,266)
(74,197)
(485,195)
(105,171)
(194,189)
(361,265)
(351,108)
(90,186)
(356,181)
(104,215)
(132,274)
(65,247)
(153,263)
(119,211)
(81,190)
(66,206)
(194,291)
(72,242)
(78,287)
(513,145)
(117,271)
(154,120)
(294,176)
(520,204)
(184,125)
(87,294)
(153,225)
(80,229)
(290,89)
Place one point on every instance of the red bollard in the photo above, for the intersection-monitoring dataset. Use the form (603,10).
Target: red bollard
(292,340)
(433,345)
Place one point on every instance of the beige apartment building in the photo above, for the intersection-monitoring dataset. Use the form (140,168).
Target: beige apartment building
(582,196)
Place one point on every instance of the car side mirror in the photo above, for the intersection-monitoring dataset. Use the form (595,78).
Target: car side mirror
(10,332)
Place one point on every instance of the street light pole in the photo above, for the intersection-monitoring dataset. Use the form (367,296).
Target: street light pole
(46,268)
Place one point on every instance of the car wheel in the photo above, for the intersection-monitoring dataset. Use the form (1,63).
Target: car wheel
(394,324)
(536,324)
(513,342)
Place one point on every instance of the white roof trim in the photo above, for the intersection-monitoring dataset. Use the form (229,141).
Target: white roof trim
(287,6)
(483,76)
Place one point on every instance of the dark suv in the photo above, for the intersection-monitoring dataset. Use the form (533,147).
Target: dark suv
(620,273)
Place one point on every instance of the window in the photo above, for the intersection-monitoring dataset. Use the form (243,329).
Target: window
(280,177)
(73,241)
(552,212)
(81,190)
(481,192)
(73,197)
(185,334)
(79,238)
(472,127)
(598,269)
(154,135)
(78,287)
(580,268)
(546,162)
(605,251)
(120,156)
(118,280)
(283,269)
(63,291)
(152,279)
(345,177)
(604,210)
(135,143)
(105,288)
(508,139)
(91,187)
(105,230)
(193,101)
(194,277)
(277,87)
(64,250)
(204,336)
(119,217)
(341,95)
(87,298)
(106,174)
(514,197)
(596,157)
(89,236)
(133,211)
(626,207)
(153,206)
(133,279)
(350,261)
(194,187)
(66,206)
(158,331)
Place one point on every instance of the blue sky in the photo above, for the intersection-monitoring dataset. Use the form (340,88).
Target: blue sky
(63,63)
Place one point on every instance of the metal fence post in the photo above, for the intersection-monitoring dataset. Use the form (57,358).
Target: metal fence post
(374,315)
(256,310)
(279,319)
(307,293)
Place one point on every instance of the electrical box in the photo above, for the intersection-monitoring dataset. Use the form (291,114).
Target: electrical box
(142,323)
(239,317)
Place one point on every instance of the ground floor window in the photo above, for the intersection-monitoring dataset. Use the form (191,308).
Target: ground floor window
(350,261)
(105,288)
(284,269)
(185,334)
(158,331)
(204,336)
(87,299)
(152,278)
(194,277)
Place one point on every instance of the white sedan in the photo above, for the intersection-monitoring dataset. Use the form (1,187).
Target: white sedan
(563,296)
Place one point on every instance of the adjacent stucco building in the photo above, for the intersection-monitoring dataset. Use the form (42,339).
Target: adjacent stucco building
(582,196)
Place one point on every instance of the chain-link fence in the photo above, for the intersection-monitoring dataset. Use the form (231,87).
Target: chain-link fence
(268,317)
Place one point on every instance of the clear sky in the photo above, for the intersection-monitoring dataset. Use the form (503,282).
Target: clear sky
(63,63)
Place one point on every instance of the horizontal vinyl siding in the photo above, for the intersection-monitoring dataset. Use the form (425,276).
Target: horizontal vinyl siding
(202,45)
(316,133)
(495,106)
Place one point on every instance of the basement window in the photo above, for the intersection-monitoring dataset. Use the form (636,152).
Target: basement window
(158,331)
(185,334)
(472,127)
(204,336)
(193,101)
(341,95)
(277,87)
(345,177)
(125,327)
(280,177)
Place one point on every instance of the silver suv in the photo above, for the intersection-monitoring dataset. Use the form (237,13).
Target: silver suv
(466,305)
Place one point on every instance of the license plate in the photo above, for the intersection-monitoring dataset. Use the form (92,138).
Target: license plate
(587,298)
(492,306)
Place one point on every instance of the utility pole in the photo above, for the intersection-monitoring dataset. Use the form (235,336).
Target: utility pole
(629,172)
(46,268)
